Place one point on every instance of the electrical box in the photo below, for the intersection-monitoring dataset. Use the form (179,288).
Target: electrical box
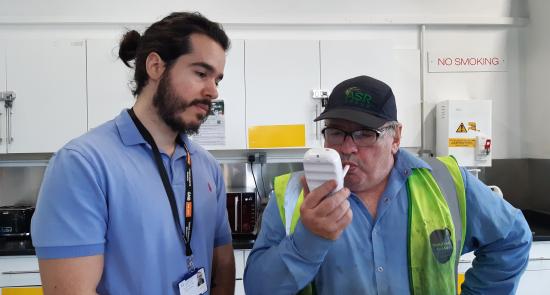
(463,130)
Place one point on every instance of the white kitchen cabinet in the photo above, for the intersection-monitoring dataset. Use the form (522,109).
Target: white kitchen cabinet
(17,271)
(399,68)
(535,278)
(280,76)
(231,91)
(239,264)
(108,81)
(241,256)
(239,271)
(49,80)
(3,118)
(109,90)
(239,288)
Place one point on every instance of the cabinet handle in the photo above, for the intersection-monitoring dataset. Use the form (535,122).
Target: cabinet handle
(19,272)
(539,259)
(1,138)
(237,213)
(317,123)
(10,126)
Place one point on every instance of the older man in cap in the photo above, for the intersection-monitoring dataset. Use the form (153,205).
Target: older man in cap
(398,226)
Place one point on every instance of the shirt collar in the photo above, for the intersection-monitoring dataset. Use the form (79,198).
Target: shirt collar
(405,161)
(130,135)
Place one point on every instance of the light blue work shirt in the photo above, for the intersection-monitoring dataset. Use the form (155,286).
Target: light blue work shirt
(102,194)
(370,257)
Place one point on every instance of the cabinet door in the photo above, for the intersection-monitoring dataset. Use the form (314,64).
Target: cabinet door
(3,119)
(239,264)
(239,287)
(239,271)
(227,130)
(280,75)
(399,68)
(108,81)
(49,79)
(18,271)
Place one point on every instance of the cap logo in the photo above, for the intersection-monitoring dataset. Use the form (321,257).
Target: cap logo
(356,96)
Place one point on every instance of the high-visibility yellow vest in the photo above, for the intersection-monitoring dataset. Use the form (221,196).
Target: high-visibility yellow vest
(437,216)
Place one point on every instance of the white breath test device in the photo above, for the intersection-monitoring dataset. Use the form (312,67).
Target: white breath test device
(321,165)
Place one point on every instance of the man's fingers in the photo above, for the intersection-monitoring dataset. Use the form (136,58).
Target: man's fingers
(304,185)
(313,198)
(329,204)
(339,211)
(345,220)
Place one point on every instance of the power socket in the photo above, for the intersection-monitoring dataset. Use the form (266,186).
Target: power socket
(257,158)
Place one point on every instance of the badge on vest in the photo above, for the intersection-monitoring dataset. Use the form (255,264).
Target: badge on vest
(442,246)
(193,283)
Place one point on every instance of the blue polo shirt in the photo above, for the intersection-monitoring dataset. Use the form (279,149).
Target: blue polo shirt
(102,195)
(370,257)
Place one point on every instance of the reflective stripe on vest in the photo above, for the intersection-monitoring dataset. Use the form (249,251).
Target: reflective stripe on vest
(436,204)
(446,195)
(447,174)
(289,196)
(289,185)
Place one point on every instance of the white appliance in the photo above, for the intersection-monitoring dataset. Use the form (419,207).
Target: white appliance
(463,130)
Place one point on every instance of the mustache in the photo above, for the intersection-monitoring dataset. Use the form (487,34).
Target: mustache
(349,159)
(204,101)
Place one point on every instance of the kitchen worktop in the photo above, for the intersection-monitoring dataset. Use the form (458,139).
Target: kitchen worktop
(539,222)
(24,247)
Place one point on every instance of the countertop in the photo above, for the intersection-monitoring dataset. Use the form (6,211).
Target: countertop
(24,247)
(539,222)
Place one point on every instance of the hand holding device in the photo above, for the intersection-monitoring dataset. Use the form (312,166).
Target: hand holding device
(325,217)
(321,165)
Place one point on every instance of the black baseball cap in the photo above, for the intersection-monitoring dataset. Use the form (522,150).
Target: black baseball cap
(363,100)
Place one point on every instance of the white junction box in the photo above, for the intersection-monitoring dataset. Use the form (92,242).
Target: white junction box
(463,130)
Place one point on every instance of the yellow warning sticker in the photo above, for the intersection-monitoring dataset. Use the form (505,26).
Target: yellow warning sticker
(462,142)
(461,128)
(472,126)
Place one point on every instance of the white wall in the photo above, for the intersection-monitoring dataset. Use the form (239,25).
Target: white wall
(535,43)
(346,20)
(503,88)
(238,11)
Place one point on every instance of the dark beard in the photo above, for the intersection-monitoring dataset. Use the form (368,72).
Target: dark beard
(169,105)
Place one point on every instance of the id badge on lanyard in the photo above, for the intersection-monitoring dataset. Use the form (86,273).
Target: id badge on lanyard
(194,281)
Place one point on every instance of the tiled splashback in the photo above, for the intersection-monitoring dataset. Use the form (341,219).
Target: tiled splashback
(19,185)
(524,182)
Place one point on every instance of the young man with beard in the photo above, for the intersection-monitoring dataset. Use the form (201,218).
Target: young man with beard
(399,224)
(133,206)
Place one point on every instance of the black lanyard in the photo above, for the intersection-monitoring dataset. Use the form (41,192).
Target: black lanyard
(186,235)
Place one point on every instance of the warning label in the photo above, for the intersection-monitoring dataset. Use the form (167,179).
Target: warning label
(472,126)
(462,142)
(461,128)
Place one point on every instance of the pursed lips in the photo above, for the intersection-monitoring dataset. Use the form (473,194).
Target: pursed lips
(203,107)
(352,165)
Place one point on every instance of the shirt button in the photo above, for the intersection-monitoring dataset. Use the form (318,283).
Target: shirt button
(380,269)
(386,200)
(406,172)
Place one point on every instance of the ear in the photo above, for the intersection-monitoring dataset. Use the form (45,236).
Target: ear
(155,66)
(396,139)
